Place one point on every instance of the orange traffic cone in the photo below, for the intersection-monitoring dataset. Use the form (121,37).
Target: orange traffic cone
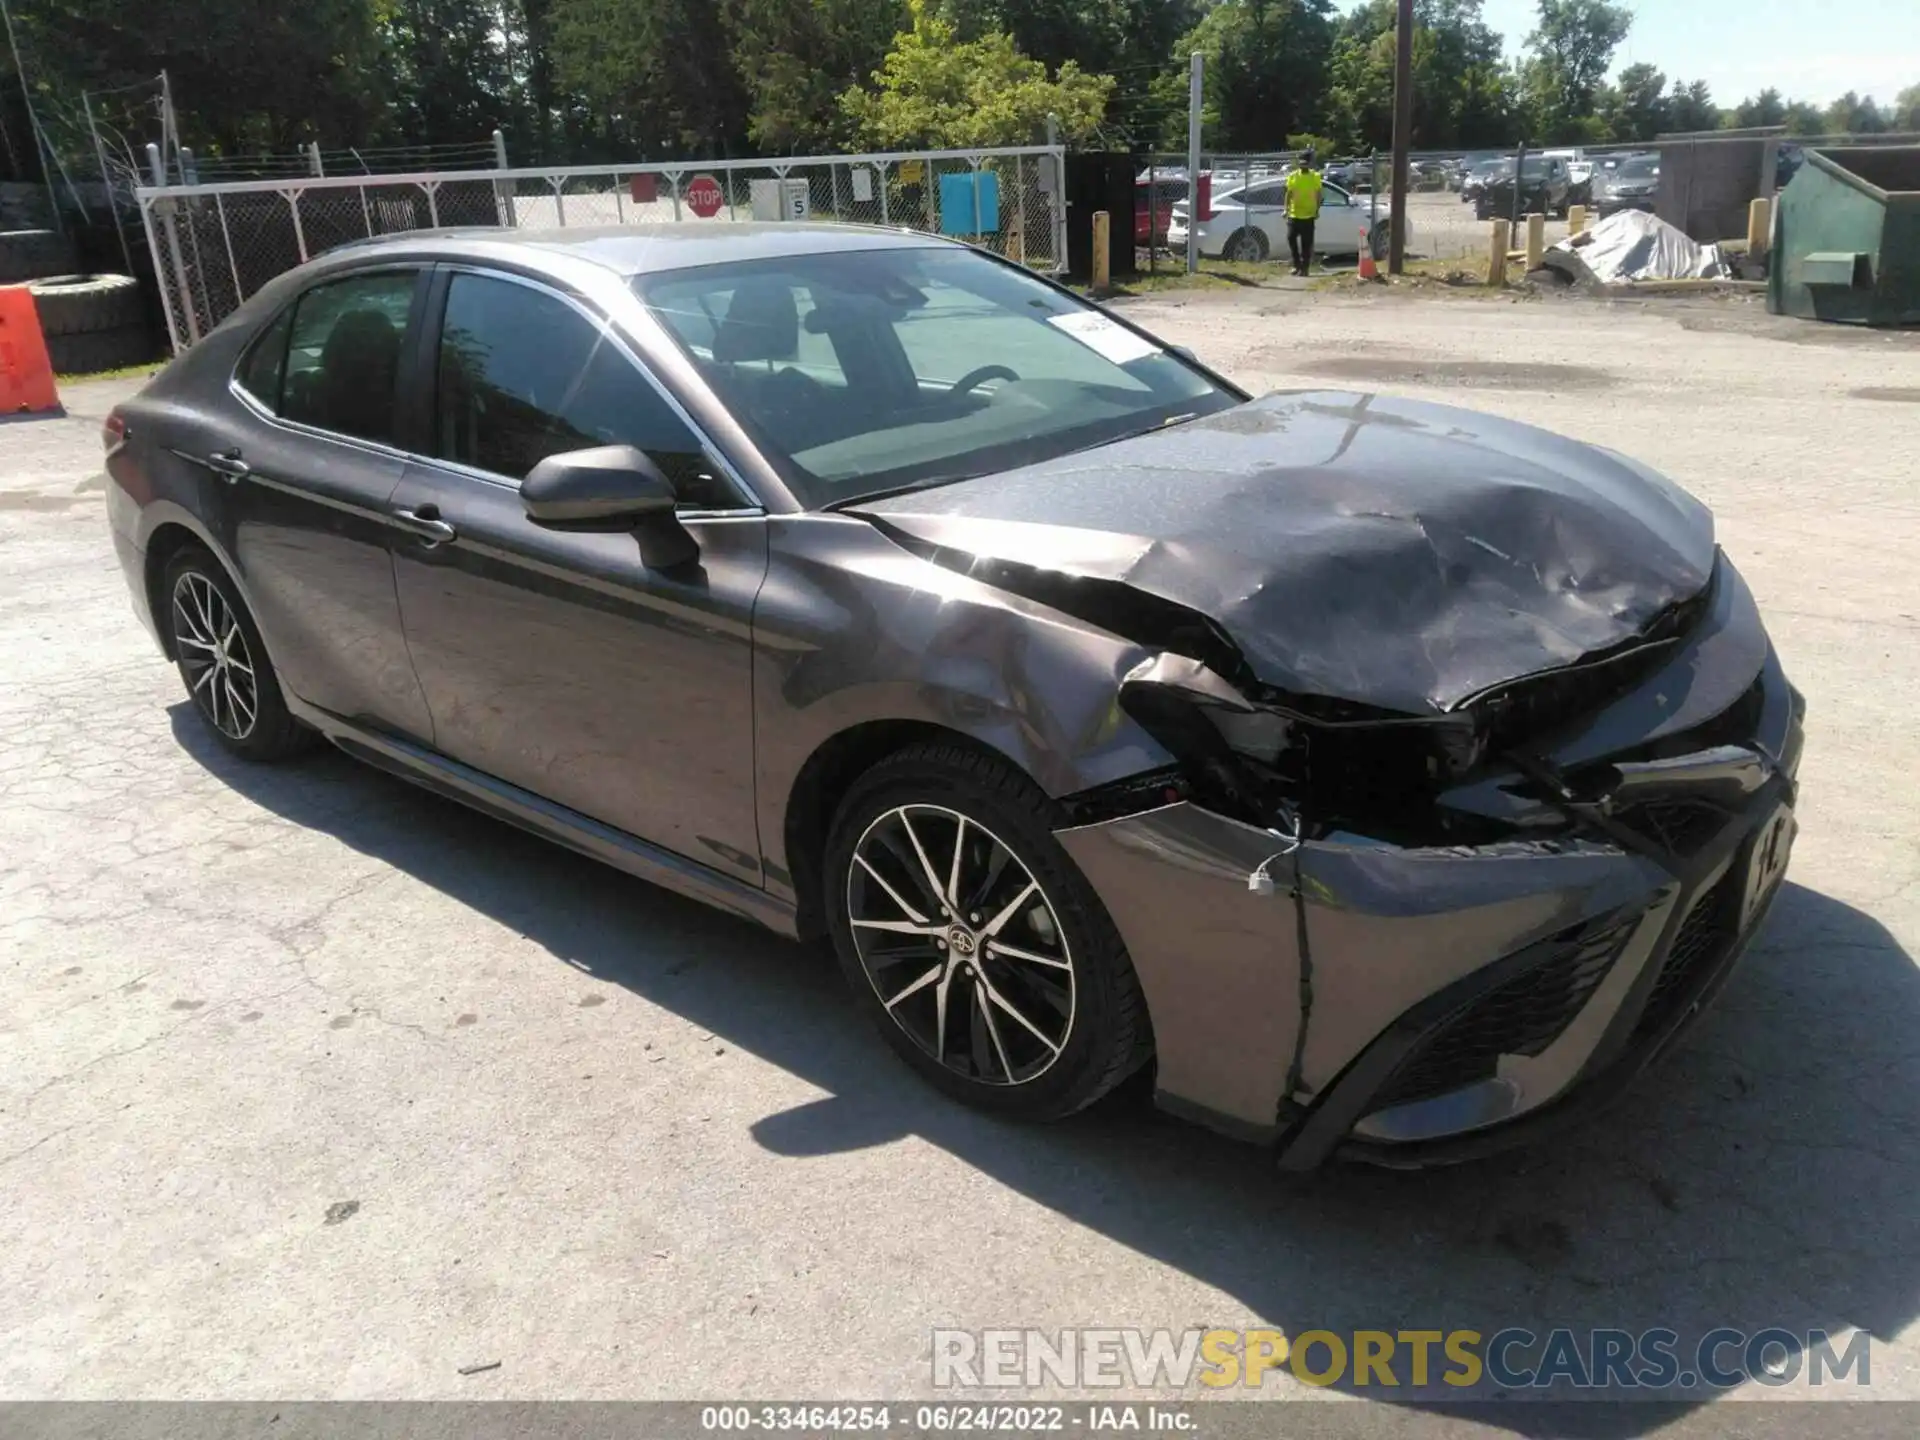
(26,375)
(1367,269)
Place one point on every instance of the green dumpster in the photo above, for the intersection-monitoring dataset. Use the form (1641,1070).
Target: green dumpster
(1846,239)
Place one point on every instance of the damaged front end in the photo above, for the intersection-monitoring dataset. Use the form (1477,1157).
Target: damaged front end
(1481,761)
(1410,938)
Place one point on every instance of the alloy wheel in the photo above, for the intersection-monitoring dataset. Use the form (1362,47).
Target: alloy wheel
(961,944)
(213,652)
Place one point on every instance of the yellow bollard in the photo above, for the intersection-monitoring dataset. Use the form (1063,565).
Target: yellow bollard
(1102,253)
(1759,226)
(1497,253)
(1576,219)
(1536,241)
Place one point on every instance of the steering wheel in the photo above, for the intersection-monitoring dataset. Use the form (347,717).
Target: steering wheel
(975,378)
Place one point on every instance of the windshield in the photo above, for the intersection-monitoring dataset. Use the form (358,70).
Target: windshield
(1640,167)
(870,371)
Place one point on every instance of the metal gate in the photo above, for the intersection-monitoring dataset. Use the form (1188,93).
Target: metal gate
(214,245)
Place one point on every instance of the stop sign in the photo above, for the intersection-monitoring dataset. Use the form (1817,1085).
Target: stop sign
(704,196)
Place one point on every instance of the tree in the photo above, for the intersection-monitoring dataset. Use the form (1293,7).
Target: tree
(1459,94)
(657,69)
(936,90)
(1266,65)
(448,70)
(1851,115)
(795,57)
(1906,109)
(1766,108)
(1803,119)
(1635,106)
(1571,50)
(1132,40)
(1691,107)
(247,74)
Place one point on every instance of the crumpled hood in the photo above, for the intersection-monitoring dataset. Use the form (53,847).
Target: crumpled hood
(1357,547)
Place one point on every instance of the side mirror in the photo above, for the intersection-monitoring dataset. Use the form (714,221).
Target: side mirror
(607,489)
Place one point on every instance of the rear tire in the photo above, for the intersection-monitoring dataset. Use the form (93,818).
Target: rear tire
(1038,1033)
(1245,246)
(223,662)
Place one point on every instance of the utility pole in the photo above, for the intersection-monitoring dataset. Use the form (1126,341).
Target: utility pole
(1402,138)
(1194,77)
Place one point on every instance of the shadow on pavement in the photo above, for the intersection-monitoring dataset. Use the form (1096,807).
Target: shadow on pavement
(1763,1176)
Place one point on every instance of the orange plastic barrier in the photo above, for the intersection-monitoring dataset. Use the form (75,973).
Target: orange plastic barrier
(26,375)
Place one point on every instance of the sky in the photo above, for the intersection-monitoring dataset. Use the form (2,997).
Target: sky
(1806,51)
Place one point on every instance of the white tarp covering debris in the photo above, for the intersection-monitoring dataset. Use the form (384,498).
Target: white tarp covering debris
(1633,245)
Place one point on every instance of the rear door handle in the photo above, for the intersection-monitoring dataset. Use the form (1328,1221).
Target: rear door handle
(228,465)
(426,523)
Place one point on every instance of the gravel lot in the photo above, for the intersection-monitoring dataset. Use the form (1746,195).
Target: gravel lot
(314,1086)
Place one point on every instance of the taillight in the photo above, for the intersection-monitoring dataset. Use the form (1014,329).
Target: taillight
(113,433)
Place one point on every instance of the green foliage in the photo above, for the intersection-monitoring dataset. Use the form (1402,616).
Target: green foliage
(579,80)
(1851,115)
(936,90)
(1572,48)
(1691,107)
(795,57)
(1804,119)
(1766,108)
(247,74)
(1461,96)
(1266,64)
(1635,106)
(1906,109)
(448,69)
(656,71)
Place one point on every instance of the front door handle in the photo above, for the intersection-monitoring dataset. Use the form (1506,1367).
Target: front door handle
(228,465)
(426,523)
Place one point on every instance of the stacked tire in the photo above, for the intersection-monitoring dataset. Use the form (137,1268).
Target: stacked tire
(91,322)
(33,255)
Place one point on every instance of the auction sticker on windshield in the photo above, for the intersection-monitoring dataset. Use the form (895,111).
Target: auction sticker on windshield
(1103,337)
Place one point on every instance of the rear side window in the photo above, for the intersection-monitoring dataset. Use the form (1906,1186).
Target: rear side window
(523,375)
(265,365)
(343,355)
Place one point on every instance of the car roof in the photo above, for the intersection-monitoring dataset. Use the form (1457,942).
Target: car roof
(644,249)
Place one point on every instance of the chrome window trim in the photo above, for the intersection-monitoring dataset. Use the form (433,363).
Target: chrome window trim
(609,330)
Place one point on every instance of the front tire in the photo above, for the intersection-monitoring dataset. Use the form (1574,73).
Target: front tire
(972,940)
(223,662)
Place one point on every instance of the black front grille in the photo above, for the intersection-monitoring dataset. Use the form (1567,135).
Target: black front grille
(1681,826)
(1703,939)
(1521,1017)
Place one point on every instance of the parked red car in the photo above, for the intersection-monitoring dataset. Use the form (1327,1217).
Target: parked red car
(1153,204)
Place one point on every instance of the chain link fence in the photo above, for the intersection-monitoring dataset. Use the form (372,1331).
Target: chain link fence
(1446,219)
(213,245)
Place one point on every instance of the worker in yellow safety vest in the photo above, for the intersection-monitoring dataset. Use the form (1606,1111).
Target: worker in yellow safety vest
(1303,208)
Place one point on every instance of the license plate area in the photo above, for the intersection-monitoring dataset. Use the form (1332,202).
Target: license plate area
(1766,862)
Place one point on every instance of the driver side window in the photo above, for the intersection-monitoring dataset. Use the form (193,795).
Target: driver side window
(523,375)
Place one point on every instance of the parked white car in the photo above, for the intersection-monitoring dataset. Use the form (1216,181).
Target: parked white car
(1249,222)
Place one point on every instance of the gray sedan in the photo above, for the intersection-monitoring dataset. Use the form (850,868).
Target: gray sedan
(1395,781)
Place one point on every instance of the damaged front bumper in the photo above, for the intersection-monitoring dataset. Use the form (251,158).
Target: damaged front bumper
(1411,1006)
